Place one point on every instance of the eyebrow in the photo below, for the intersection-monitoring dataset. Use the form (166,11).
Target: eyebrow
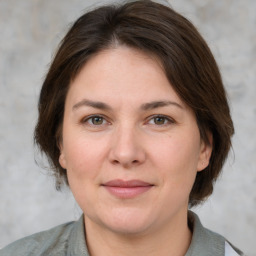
(158,104)
(144,107)
(90,103)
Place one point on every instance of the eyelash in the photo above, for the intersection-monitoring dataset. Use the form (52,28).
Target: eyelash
(167,120)
(86,120)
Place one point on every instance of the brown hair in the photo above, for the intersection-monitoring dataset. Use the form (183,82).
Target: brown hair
(187,60)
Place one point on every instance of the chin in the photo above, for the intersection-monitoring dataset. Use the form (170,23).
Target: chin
(128,229)
(128,222)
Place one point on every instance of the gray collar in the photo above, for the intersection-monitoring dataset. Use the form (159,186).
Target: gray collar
(76,243)
(204,242)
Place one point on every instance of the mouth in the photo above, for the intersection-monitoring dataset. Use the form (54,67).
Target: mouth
(127,189)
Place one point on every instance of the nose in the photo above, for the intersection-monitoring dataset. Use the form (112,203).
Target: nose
(127,148)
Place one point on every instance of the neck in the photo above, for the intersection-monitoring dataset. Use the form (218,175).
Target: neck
(170,239)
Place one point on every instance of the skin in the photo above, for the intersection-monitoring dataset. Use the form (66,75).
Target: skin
(129,141)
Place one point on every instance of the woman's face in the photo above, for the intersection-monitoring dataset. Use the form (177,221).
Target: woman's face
(131,147)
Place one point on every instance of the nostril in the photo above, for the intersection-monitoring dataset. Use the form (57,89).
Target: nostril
(128,163)
(115,162)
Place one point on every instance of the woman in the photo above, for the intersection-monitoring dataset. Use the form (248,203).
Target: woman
(133,117)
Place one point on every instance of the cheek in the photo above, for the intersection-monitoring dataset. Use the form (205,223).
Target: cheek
(83,156)
(83,168)
(177,158)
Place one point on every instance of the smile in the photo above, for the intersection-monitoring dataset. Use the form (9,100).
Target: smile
(127,189)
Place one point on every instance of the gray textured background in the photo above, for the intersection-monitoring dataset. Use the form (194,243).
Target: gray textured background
(29,33)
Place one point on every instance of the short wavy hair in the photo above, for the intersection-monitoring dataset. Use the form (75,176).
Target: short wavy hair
(188,63)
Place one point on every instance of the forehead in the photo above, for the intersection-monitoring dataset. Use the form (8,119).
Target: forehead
(124,72)
(119,58)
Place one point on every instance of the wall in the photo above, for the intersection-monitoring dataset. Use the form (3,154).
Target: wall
(30,31)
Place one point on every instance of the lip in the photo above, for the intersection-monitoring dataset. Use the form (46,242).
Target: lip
(127,189)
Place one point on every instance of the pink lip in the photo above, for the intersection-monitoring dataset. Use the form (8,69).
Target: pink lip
(127,189)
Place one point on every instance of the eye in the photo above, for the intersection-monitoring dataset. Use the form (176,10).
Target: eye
(160,120)
(95,120)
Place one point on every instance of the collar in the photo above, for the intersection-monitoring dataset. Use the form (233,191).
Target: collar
(204,242)
(76,244)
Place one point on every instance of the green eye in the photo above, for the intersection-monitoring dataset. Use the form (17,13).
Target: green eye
(159,120)
(97,120)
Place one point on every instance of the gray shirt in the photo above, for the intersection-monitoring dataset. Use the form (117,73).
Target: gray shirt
(69,240)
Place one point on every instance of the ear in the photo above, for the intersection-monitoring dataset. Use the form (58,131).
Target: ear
(62,158)
(62,161)
(205,153)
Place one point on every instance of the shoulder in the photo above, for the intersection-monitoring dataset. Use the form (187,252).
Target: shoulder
(207,242)
(50,242)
